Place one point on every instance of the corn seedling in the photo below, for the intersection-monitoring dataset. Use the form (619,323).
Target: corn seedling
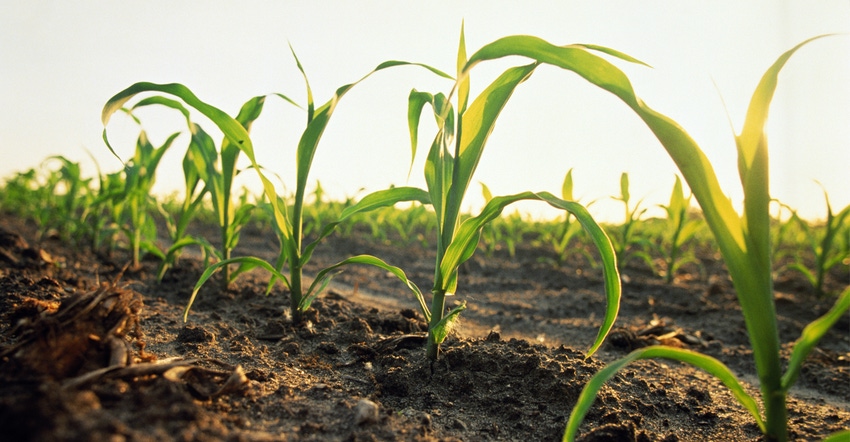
(288,220)
(679,229)
(179,214)
(827,246)
(451,162)
(69,201)
(563,236)
(786,236)
(504,229)
(18,192)
(321,211)
(744,242)
(628,244)
(217,169)
(60,194)
(134,206)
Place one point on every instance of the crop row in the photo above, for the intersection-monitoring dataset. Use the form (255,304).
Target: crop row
(120,211)
(63,204)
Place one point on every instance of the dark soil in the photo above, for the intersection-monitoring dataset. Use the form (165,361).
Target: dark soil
(92,351)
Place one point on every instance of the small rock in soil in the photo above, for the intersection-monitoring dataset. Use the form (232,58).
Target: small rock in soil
(365,412)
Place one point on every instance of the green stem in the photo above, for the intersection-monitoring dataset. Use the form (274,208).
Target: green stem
(295,275)
(776,414)
(295,269)
(438,308)
(225,219)
(754,287)
(226,252)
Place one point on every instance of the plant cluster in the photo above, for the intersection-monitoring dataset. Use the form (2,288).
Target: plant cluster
(120,211)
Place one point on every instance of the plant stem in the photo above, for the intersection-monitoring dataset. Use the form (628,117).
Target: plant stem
(776,414)
(754,287)
(438,308)
(225,282)
(295,266)
(295,295)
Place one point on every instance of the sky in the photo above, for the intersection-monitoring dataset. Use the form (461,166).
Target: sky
(61,61)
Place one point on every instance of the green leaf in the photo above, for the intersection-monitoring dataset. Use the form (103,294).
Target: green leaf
(245,262)
(466,240)
(810,337)
(707,363)
(840,436)
(438,165)
(485,192)
(567,187)
(163,101)
(462,78)
(416,101)
(315,128)
(678,204)
(323,277)
(375,200)
(684,151)
(442,329)
(231,128)
(478,122)
(743,243)
(808,274)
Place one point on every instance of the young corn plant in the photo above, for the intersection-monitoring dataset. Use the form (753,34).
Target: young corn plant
(217,169)
(627,244)
(827,246)
(69,201)
(508,230)
(680,228)
(17,194)
(462,133)
(135,204)
(288,220)
(178,216)
(786,235)
(564,240)
(743,239)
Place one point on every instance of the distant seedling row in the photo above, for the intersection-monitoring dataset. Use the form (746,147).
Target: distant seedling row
(768,239)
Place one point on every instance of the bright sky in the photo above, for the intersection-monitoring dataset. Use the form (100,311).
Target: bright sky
(61,61)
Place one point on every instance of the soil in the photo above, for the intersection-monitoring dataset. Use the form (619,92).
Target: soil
(91,350)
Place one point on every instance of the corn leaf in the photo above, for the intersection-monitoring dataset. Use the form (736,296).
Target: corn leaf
(317,124)
(467,236)
(416,101)
(624,187)
(245,262)
(811,335)
(438,166)
(462,78)
(310,106)
(567,187)
(163,101)
(478,122)
(687,155)
(485,192)
(840,436)
(375,200)
(442,329)
(707,363)
(323,277)
(231,128)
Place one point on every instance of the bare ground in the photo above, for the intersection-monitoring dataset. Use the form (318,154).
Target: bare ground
(89,351)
